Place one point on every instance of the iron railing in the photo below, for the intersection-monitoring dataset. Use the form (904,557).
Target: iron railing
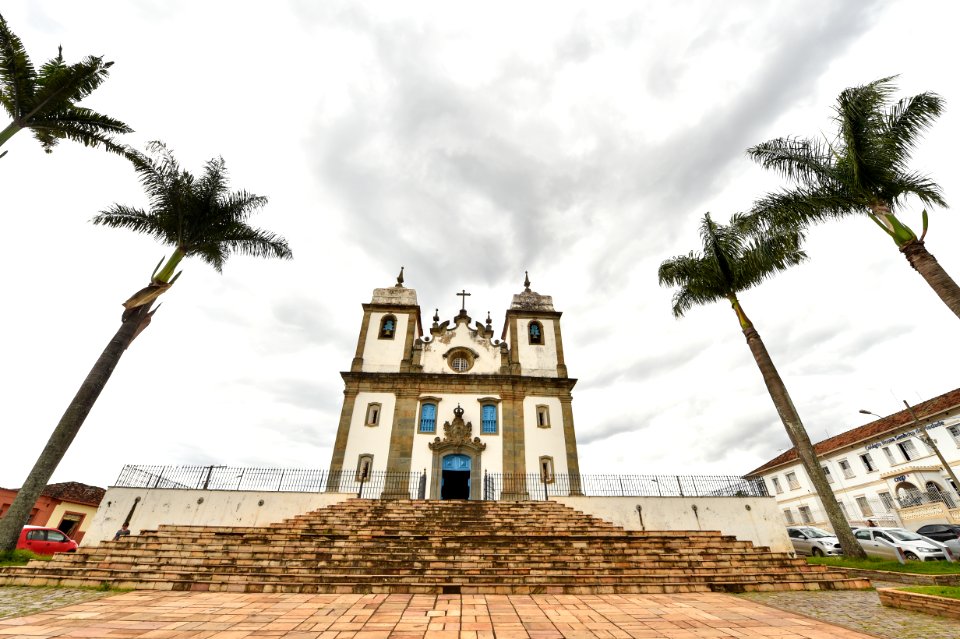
(377,484)
(918,498)
(535,486)
(370,485)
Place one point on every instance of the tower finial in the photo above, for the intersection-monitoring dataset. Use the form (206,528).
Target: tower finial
(526,281)
(436,317)
(489,320)
(399,283)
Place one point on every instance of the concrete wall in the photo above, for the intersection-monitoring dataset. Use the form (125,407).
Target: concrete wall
(218,508)
(756,519)
(749,518)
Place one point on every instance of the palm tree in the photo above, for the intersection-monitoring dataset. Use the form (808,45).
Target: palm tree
(863,171)
(731,262)
(45,101)
(196,216)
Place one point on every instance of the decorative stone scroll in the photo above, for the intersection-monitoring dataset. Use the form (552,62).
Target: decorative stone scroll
(457,435)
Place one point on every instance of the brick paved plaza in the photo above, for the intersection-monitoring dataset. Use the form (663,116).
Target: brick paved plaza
(171,615)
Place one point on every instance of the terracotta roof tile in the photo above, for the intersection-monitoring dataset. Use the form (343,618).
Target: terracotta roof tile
(75,492)
(888,424)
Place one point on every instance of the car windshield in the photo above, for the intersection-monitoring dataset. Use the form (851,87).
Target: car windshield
(815,533)
(904,535)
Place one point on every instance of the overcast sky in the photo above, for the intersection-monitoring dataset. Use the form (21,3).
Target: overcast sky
(580,141)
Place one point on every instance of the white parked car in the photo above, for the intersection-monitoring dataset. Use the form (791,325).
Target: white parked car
(808,540)
(884,542)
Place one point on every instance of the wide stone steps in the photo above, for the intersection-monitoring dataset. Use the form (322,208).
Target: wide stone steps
(431,547)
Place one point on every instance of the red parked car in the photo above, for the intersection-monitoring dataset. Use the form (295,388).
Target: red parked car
(44,541)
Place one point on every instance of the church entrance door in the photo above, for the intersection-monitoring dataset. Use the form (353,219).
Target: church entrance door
(455,478)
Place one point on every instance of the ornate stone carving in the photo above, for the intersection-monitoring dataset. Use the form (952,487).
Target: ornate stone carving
(457,434)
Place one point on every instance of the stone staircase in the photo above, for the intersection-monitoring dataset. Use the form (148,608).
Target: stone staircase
(370,546)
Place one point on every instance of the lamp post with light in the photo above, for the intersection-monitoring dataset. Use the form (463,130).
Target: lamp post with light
(928,440)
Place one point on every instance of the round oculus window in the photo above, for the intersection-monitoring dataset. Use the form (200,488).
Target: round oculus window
(460,360)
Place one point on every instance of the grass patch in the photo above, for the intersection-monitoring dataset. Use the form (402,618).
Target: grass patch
(953,592)
(915,567)
(20,557)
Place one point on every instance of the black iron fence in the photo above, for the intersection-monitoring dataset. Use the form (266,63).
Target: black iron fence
(382,484)
(918,498)
(371,485)
(498,486)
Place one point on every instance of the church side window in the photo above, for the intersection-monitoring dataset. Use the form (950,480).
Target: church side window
(428,418)
(546,470)
(543,416)
(364,467)
(955,433)
(535,332)
(388,327)
(373,414)
(489,419)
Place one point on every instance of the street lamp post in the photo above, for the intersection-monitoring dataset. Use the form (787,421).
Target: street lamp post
(932,445)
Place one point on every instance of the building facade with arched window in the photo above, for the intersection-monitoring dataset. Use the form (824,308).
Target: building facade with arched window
(885,472)
(454,401)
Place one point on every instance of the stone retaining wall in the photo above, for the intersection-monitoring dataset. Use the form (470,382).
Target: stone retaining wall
(904,577)
(917,602)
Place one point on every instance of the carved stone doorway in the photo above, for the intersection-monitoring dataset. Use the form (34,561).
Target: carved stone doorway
(455,477)
(456,461)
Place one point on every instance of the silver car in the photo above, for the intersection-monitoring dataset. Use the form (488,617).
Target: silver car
(808,540)
(885,542)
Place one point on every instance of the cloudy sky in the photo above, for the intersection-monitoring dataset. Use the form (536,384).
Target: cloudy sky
(580,141)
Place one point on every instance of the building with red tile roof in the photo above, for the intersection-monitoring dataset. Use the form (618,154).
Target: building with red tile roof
(67,506)
(883,471)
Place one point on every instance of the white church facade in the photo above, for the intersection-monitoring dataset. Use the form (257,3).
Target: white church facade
(454,402)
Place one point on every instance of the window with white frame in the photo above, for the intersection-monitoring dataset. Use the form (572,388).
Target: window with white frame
(805,515)
(907,449)
(886,500)
(864,506)
(776,484)
(364,467)
(788,515)
(868,464)
(889,454)
(845,468)
(955,433)
(792,481)
(827,474)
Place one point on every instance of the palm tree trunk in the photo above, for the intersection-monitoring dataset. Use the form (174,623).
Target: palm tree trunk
(930,270)
(8,132)
(63,435)
(798,436)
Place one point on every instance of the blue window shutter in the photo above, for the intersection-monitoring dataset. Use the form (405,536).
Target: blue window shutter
(489,419)
(428,418)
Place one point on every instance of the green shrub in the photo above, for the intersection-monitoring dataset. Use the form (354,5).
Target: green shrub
(20,557)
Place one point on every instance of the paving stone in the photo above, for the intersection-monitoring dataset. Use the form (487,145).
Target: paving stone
(192,615)
(18,601)
(861,610)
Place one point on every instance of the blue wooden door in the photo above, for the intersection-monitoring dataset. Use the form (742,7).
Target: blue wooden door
(456,462)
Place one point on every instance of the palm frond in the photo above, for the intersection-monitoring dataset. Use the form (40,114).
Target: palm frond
(910,117)
(198,216)
(17,75)
(86,128)
(805,161)
(60,85)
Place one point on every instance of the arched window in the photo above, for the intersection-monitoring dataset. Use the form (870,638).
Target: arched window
(535,332)
(543,416)
(373,414)
(489,419)
(546,469)
(428,418)
(364,467)
(388,327)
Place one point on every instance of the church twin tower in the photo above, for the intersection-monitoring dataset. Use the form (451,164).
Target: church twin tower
(456,402)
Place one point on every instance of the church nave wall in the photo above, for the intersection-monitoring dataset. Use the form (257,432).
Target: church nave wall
(367,439)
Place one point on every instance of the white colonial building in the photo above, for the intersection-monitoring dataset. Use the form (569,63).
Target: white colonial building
(882,472)
(454,402)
